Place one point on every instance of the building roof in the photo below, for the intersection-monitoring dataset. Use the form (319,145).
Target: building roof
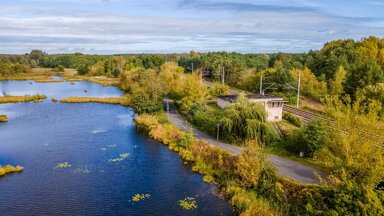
(232,98)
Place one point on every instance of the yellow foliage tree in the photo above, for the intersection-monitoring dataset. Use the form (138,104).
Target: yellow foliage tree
(310,85)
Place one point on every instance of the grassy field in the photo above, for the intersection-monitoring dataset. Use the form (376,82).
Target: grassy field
(21,99)
(116,100)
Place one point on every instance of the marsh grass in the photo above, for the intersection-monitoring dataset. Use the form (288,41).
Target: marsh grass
(10,169)
(3,118)
(20,99)
(54,100)
(116,100)
(101,80)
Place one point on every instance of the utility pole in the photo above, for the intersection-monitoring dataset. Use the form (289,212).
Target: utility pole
(222,76)
(192,67)
(261,85)
(298,91)
(168,107)
(217,136)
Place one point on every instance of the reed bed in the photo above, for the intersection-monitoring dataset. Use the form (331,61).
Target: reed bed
(20,99)
(115,100)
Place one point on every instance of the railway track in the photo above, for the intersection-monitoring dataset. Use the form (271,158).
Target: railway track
(304,115)
(309,116)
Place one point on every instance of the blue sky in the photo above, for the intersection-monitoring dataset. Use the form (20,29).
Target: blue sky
(166,26)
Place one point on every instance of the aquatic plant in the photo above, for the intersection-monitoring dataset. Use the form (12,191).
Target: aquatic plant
(19,99)
(85,90)
(189,203)
(3,118)
(112,146)
(97,131)
(54,100)
(121,158)
(63,165)
(82,171)
(139,197)
(10,169)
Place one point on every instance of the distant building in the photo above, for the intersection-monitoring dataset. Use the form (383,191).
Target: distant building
(273,104)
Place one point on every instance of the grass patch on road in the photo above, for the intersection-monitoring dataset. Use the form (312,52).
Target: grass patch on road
(280,151)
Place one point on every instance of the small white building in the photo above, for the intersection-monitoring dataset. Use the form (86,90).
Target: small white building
(273,104)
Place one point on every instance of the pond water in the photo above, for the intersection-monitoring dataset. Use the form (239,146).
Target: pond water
(109,161)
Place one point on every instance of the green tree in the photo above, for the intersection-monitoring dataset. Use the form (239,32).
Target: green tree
(83,69)
(246,120)
(308,139)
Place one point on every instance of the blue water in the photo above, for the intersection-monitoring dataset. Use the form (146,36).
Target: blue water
(90,137)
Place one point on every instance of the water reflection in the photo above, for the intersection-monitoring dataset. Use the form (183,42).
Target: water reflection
(40,136)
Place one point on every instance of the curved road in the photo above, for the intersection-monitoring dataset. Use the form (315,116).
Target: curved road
(287,168)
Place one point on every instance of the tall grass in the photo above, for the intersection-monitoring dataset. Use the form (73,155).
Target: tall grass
(20,99)
(125,101)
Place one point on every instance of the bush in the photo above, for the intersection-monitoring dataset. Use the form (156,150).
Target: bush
(292,119)
(308,139)
(205,122)
(83,69)
(59,68)
(218,89)
(141,103)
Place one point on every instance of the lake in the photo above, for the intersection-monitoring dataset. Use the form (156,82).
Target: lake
(110,162)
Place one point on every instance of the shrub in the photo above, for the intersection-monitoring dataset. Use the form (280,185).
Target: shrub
(292,119)
(308,139)
(141,103)
(218,89)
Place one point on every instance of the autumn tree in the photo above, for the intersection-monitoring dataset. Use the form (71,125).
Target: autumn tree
(336,85)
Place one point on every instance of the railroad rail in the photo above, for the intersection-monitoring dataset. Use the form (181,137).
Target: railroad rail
(304,115)
(309,116)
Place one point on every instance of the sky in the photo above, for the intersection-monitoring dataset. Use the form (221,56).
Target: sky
(169,26)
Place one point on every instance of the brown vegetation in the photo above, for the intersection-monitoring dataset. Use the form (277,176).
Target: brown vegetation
(116,100)
(20,99)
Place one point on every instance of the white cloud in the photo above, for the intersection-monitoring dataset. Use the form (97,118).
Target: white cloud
(229,27)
